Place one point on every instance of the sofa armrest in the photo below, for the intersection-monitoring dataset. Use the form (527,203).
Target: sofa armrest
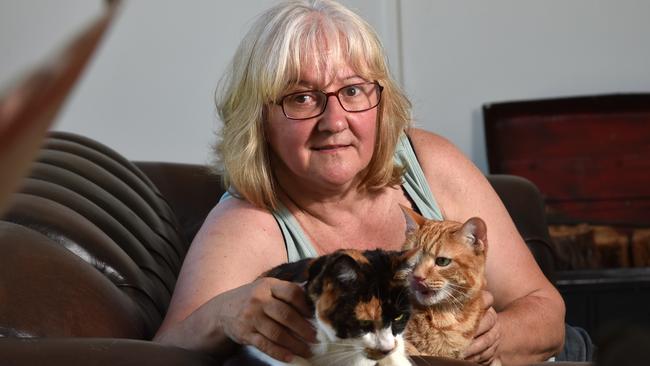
(524,203)
(96,351)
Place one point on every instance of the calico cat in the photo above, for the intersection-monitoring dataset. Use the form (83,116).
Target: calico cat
(446,284)
(361,306)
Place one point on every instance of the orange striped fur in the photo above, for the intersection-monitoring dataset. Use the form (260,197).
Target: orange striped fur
(446,284)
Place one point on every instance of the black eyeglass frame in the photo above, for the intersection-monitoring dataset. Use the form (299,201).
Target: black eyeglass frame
(327,98)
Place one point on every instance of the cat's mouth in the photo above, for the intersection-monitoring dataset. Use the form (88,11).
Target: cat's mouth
(424,294)
(427,292)
(421,288)
(376,354)
(427,297)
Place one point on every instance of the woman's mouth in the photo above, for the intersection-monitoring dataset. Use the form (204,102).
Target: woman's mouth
(330,148)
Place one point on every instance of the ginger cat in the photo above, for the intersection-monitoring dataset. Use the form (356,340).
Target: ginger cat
(446,284)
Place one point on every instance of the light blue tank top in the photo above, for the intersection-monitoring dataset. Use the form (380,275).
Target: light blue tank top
(414,183)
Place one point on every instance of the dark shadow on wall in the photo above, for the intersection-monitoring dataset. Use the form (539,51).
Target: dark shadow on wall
(479,152)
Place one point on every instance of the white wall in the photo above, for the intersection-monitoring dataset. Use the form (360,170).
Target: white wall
(459,55)
(148,94)
(31,29)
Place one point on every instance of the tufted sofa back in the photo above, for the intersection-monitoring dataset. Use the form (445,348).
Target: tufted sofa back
(90,245)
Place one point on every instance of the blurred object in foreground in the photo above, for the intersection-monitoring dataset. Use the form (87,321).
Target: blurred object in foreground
(28,108)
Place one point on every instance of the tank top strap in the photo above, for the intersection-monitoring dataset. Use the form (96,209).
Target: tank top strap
(295,240)
(414,181)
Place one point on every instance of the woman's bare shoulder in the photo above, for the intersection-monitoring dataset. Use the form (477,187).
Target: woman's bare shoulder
(241,219)
(443,163)
(236,243)
(434,150)
(239,229)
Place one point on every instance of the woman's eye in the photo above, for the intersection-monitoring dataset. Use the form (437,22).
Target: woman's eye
(442,261)
(301,98)
(351,91)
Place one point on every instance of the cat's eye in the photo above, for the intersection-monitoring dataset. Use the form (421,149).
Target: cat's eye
(442,261)
(399,317)
(365,323)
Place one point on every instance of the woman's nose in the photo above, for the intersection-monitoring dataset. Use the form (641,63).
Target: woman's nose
(334,118)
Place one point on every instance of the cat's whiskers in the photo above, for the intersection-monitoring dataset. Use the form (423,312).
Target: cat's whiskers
(343,344)
(461,295)
(455,302)
(337,350)
(461,291)
(457,286)
(337,357)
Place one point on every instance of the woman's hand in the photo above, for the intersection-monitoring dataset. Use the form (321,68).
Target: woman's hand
(483,348)
(269,314)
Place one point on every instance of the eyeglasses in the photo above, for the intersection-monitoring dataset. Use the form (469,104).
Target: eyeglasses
(312,103)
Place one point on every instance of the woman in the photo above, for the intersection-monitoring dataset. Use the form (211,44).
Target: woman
(319,155)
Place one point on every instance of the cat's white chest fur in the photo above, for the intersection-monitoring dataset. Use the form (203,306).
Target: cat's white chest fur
(332,351)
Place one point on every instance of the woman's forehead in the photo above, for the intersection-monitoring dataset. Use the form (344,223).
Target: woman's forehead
(329,74)
(326,57)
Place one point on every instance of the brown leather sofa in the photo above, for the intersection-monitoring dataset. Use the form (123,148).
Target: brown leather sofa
(91,245)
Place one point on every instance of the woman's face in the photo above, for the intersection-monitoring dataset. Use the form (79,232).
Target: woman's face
(325,152)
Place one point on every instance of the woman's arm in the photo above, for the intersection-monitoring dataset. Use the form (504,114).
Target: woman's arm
(218,299)
(529,321)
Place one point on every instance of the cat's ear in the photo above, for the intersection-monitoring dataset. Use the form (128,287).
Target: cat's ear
(344,268)
(413,220)
(474,233)
(337,266)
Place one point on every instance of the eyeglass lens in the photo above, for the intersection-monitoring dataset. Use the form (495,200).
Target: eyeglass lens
(311,103)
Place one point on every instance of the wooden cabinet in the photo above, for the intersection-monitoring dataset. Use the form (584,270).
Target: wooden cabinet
(590,158)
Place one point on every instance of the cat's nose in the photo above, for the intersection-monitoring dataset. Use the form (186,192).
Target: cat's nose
(418,279)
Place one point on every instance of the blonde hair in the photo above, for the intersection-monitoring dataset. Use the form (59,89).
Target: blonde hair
(268,62)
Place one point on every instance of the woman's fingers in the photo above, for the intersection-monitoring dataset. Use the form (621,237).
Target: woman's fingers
(290,311)
(263,344)
(293,294)
(282,337)
(488,321)
(485,344)
(488,299)
(268,318)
